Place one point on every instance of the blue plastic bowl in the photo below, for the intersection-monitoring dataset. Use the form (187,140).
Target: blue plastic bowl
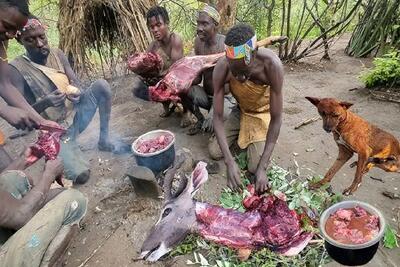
(157,161)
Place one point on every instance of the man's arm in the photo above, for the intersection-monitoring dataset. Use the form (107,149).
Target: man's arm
(196,52)
(68,70)
(177,48)
(19,82)
(15,213)
(13,98)
(220,75)
(274,72)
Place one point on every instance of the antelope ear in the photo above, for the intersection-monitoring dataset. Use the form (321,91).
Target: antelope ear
(198,177)
(314,100)
(346,105)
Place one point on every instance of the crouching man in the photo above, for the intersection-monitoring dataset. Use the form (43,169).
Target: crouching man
(255,76)
(36,222)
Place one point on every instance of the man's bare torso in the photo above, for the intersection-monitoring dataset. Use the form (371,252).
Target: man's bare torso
(202,48)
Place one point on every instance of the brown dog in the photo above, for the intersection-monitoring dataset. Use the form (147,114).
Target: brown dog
(352,134)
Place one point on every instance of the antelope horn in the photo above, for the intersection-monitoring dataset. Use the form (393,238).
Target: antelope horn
(169,176)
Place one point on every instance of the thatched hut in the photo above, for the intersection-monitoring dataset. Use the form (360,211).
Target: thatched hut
(102,31)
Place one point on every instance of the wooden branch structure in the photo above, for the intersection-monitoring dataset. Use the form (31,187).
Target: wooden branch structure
(102,31)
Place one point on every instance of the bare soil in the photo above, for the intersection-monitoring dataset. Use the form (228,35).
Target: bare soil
(117,221)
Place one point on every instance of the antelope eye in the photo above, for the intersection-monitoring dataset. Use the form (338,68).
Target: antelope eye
(166,212)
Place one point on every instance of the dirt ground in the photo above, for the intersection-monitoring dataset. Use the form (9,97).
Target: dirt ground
(117,222)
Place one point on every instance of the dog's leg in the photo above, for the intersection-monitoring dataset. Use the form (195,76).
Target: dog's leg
(343,157)
(362,168)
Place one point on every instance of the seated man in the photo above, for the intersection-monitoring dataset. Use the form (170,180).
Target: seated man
(255,76)
(36,222)
(45,77)
(168,45)
(207,42)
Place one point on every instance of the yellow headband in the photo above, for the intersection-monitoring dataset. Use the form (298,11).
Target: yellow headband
(212,12)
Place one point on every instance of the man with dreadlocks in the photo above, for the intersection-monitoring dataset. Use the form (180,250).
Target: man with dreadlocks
(207,42)
(168,45)
(255,76)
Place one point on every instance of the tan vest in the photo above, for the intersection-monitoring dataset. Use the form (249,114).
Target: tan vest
(43,80)
(253,100)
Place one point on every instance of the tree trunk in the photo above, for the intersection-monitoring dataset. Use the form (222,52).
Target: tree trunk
(227,9)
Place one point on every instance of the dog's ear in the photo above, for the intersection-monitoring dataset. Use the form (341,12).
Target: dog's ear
(314,100)
(346,105)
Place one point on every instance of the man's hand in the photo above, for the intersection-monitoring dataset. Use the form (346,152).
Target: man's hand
(54,169)
(208,122)
(234,181)
(20,118)
(56,98)
(261,182)
(74,98)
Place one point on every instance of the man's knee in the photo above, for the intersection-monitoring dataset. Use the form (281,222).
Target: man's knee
(254,154)
(75,205)
(199,97)
(102,88)
(214,150)
(14,182)
(140,90)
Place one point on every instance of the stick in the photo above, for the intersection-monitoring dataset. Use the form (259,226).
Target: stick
(391,195)
(306,122)
(316,241)
(377,179)
(99,247)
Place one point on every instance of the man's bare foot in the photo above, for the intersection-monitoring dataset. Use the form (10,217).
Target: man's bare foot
(105,145)
(195,129)
(186,119)
(167,110)
(116,147)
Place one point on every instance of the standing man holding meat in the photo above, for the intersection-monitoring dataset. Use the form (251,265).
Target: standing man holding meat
(255,76)
(168,45)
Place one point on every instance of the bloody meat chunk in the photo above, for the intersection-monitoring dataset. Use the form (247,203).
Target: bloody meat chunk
(148,63)
(267,222)
(154,144)
(180,77)
(47,146)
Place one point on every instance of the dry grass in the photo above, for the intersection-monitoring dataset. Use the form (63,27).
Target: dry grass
(102,31)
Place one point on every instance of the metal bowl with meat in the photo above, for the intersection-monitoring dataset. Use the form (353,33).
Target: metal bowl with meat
(352,231)
(155,150)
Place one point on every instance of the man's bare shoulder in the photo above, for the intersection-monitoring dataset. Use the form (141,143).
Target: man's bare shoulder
(152,46)
(270,58)
(220,39)
(177,39)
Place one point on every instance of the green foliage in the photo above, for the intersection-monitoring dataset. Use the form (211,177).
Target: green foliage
(390,239)
(386,71)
